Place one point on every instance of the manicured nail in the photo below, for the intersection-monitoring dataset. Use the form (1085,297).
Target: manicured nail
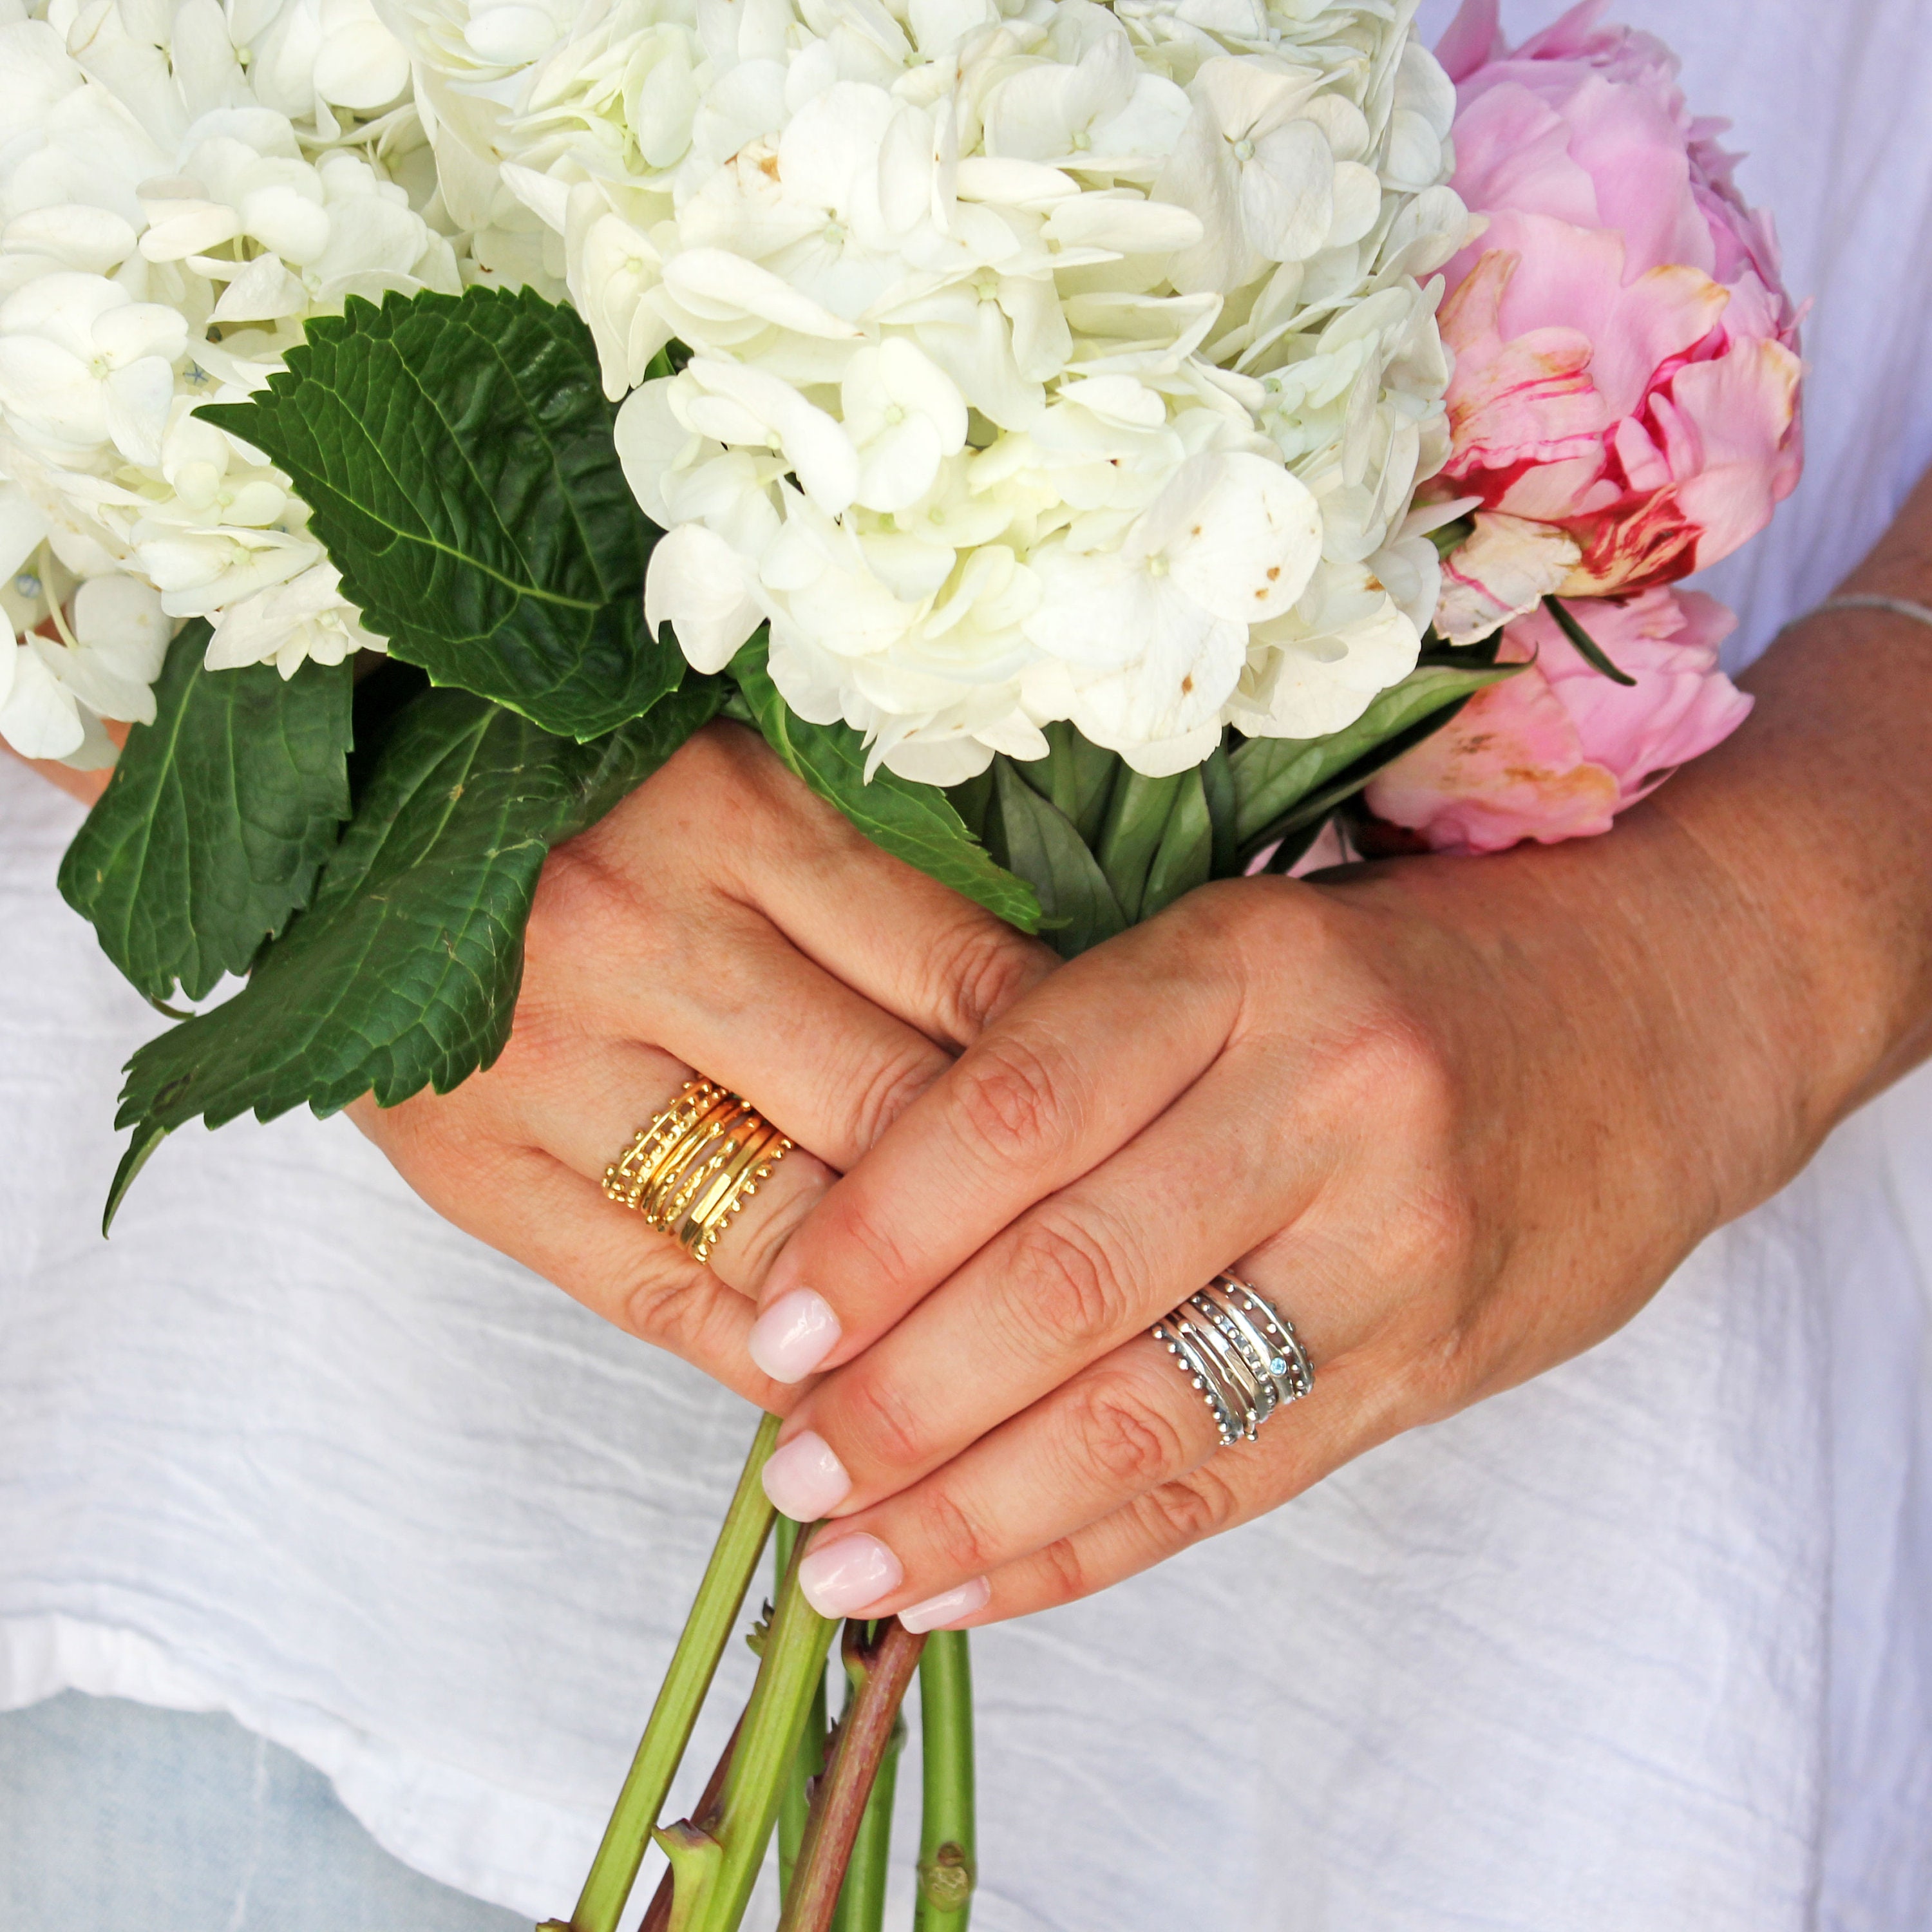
(794,1335)
(841,1578)
(948,1607)
(805,1479)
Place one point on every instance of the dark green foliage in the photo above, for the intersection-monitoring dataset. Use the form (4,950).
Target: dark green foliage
(403,972)
(456,454)
(217,820)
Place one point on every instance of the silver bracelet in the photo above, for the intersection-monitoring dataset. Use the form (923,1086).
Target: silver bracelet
(1899,607)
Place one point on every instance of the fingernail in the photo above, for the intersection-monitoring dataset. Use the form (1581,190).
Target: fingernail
(794,1335)
(948,1607)
(805,1479)
(840,1580)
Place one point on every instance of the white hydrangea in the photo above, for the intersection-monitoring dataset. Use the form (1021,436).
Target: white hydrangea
(182,185)
(1046,360)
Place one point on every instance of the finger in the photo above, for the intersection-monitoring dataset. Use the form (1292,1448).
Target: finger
(716,986)
(1072,1279)
(1078,1068)
(529,1205)
(1360,1407)
(1356,1403)
(921,951)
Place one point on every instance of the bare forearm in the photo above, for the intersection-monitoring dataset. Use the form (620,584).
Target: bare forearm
(1821,809)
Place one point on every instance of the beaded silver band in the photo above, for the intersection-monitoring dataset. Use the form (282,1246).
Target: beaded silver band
(1240,1352)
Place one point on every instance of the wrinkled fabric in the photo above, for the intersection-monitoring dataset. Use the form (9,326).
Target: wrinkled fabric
(1645,1646)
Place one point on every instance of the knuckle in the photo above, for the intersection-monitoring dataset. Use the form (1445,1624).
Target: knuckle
(959,1544)
(1066,1572)
(876,1422)
(888,1088)
(578,892)
(850,1228)
(1134,1447)
(981,973)
(1442,1373)
(1412,1074)
(1192,1508)
(1013,1097)
(1062,1274)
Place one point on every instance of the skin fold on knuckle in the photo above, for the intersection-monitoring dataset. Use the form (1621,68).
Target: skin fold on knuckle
(981,970)
(1190,1508)
(882,1091)
(954,1545)
(1060,1273)
(1111,1426)
(1016,1097)
(875,1430)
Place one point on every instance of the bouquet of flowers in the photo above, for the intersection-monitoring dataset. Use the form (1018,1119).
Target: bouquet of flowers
(1098,448)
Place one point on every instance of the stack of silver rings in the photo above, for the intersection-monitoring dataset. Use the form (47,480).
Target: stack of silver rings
(1243,1355)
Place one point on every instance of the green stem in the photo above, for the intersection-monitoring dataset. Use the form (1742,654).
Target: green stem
(657,1916)
(809,1760)
(726,1577)
(946,1870)
(866,1736)
(715,1878)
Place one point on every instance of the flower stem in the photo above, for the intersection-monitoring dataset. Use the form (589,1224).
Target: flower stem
(809,1760)
(946,1870)
(865,1736)
(717,1870)
(657,1917)
(862,1895)
(726,1577)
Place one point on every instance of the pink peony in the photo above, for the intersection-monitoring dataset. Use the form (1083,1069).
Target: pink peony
(1624,406)
(1559,749)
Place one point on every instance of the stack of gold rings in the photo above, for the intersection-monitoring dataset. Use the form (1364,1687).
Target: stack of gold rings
(690,1172)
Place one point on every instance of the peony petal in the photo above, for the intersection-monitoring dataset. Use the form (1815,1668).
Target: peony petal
(1506,568)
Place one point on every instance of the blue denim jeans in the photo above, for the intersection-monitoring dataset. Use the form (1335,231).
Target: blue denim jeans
(113,1816)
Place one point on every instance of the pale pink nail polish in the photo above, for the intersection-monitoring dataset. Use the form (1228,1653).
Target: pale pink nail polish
(841,1578)
(948,1607)
(805,1479)
(794,1335)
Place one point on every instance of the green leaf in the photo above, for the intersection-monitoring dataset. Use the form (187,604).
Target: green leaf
(1040,843)
(916,822)
(1217,786)
(1137,816)
(217,820)
(403,972)
(1078,776)
(1282,783)
(1592,653)
(456,453)
(1185,858)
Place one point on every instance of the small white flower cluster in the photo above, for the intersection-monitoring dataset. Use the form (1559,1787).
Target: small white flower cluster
(1047,360)
(182,184)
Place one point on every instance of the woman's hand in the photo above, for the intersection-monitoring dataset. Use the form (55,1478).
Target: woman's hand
(723,920)
(1458,1118)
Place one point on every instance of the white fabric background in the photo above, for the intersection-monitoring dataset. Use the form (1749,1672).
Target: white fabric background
(1646,1645)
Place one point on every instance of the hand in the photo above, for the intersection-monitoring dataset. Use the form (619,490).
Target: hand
(721,919)
(1458,1119)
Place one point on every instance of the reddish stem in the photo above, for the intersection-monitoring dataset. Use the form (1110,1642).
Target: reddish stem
(839,1804)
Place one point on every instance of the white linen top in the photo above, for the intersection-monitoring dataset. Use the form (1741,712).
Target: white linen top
(1647,1644)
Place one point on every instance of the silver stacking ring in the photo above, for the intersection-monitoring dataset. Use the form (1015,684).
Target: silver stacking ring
(1240,1352)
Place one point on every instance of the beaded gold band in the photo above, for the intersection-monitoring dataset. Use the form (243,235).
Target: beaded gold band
(690,1172)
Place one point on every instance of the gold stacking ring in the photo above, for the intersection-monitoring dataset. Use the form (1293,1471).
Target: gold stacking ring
(690,1172)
